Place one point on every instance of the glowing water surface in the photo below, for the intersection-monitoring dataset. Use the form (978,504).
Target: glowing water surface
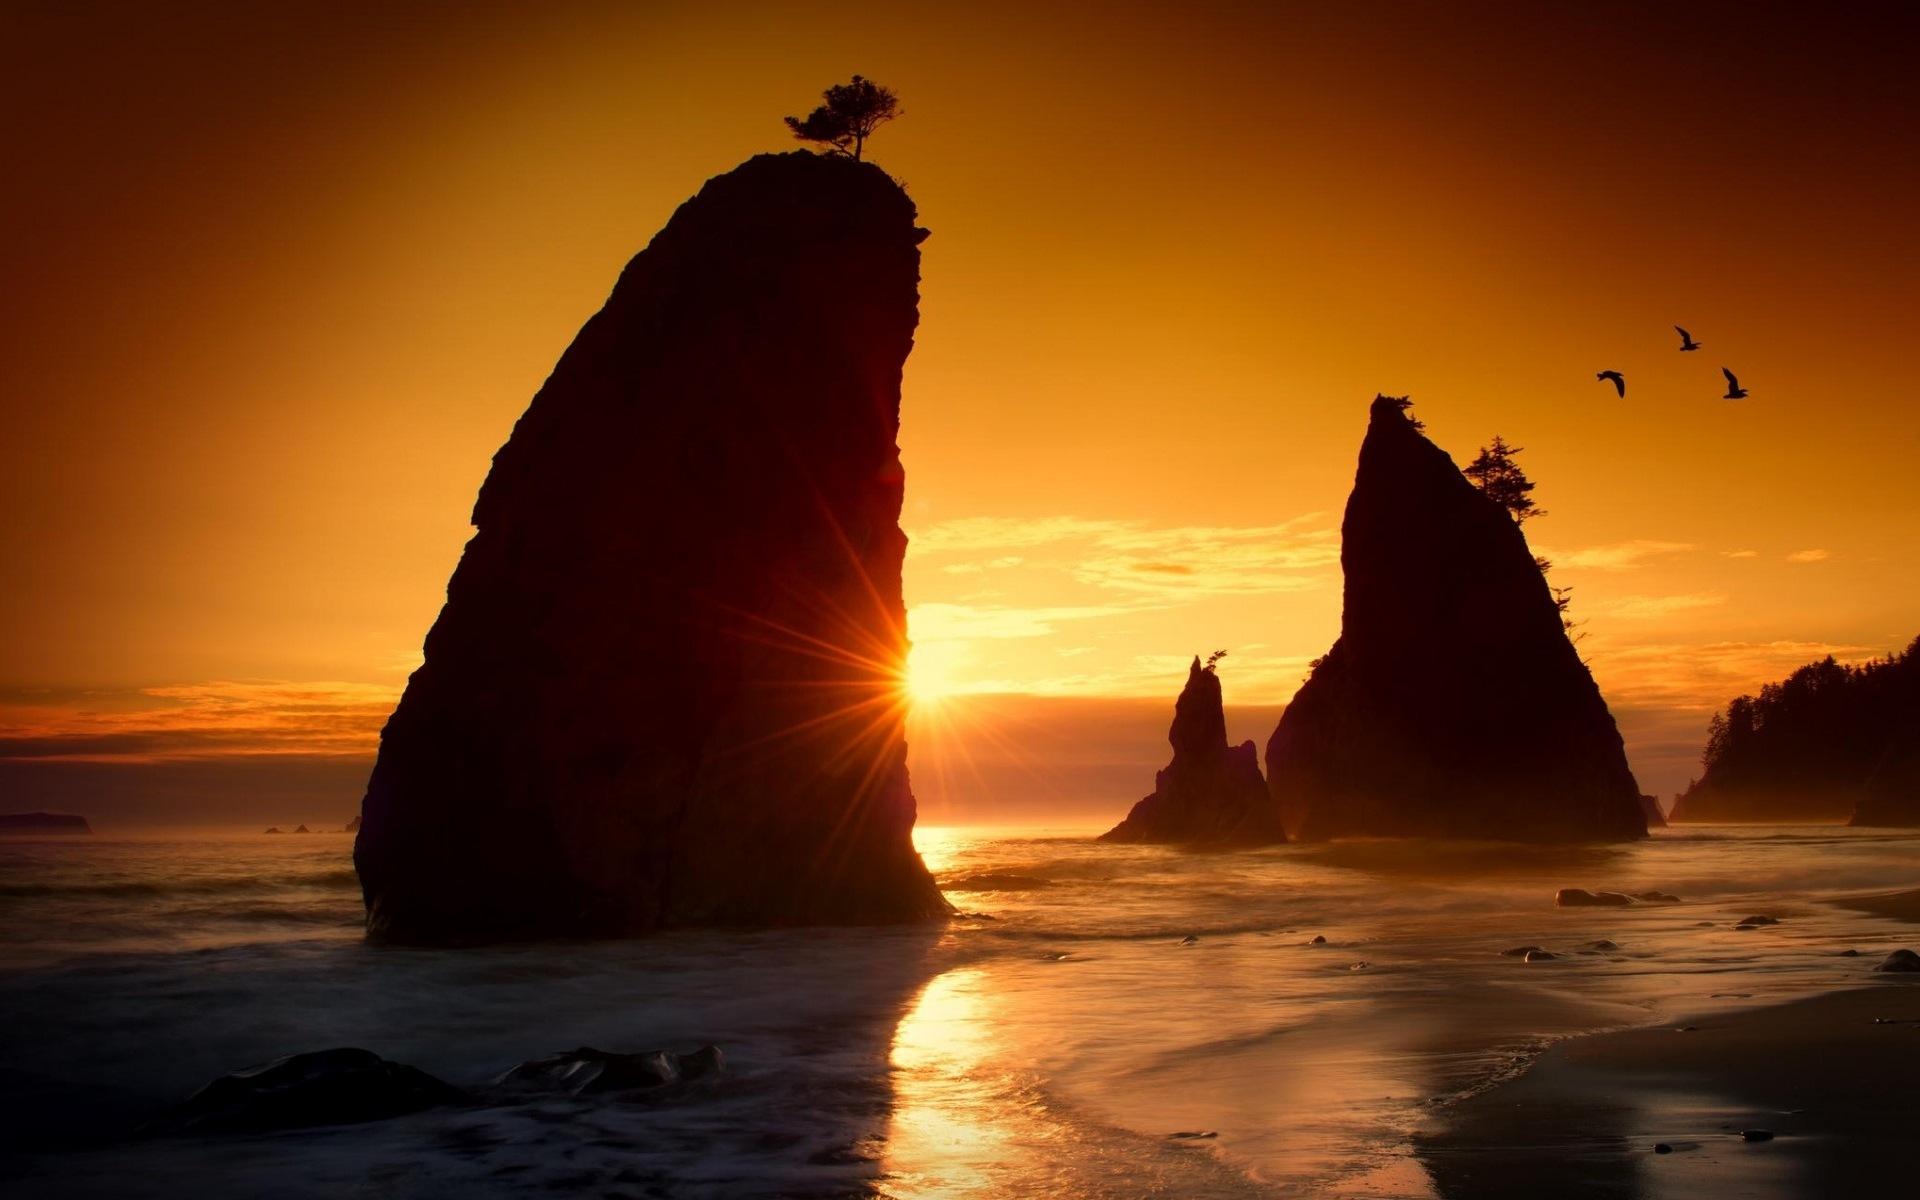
(1051,1041)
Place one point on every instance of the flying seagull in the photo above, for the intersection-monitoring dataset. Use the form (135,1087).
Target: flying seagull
(1686,340)
(1614,377)
(1734,390)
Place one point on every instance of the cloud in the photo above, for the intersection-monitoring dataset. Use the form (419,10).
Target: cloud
(188,722)
(1170,563)
(1739,554)
(1637,608)
(1701,677)
(1620,556)
(1808,556)
(938,622)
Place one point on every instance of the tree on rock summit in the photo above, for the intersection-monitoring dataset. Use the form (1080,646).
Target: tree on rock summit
(848,118)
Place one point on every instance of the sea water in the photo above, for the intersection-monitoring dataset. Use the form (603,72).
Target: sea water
(1099,1020)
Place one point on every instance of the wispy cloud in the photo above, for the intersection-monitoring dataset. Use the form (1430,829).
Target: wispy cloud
(1809,556)
(1739,554)
(183,722)
(1701,677)
(1620,556)
(1638,608)
(1174,563)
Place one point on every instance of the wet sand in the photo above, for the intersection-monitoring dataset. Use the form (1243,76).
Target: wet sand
(1832,1077)
(1901,906)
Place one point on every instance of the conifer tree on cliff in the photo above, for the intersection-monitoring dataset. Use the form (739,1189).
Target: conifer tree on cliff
(1496,473)
(848,118)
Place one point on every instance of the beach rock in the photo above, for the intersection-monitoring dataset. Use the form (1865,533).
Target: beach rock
(326,1087)
(1849,952)
(44,823)
(302,829)
(587,1070)
(1523,951)
(1318,939)
(1453,703)
(275,829)
(1900,961)
(1756,922)
(1194,1134)
(1662,1148)
(665,689)
(1540,956)
(1210,793)
(1582,898)
(1756,1135)
(1189,940)
(1655,897)
(1603,945)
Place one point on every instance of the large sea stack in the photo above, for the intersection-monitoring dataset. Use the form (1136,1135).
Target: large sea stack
(1211,793)
(665,687)
(1453,703)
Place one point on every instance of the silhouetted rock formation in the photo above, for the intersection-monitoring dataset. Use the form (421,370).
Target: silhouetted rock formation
(1453,704)
(1211,793)
(325,1087)
(1826,743)
(43,822)
(586,1070)
(665,688)
(353,825)
(1650,809)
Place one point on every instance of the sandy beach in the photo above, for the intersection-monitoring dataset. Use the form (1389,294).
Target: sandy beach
(1830,1077)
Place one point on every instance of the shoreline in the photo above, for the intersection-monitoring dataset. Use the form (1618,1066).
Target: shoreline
(1830,1076)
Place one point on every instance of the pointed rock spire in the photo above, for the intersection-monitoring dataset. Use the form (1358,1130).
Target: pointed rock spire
(1453,703)
(1211,793)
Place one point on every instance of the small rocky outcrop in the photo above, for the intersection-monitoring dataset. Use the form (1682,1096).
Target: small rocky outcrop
(325,1087)
(1211,793)
(43,823)
(1900,962)
(1650,809)
(665,689)
(586,1070)
(1453,703)
(1582,898)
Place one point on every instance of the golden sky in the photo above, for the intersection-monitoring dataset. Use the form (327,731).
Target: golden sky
(279,284)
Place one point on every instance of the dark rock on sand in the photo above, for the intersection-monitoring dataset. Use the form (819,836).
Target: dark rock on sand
(1603,945)
(326,1087)
(1756,922)
(1662,1148)
(1318,939)
(1756,1135)
(275,829)
(1210,793)
(44,823)
(665,687)
(1189,940)
(1453,703)
(586,1070)
(1900,961)
(1655,897)
(1849,952)
(1582,898)
(1523,951)
(302,829)
(1540,956)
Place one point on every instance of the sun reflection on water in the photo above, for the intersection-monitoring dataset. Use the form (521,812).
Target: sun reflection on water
(946,1136)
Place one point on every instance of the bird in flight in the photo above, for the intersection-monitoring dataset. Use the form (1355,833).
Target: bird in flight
(1616,379)
(1734,390)
(1686,340)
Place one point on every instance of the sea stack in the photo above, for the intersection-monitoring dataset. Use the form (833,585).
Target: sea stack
(665,687)
(1453,703)
(1211,793)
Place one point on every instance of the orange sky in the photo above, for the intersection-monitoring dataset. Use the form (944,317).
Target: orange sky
(279,284)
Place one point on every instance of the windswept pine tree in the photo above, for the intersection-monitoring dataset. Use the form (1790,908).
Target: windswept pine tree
(1811,746)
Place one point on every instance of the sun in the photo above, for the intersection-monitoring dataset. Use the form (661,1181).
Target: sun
(930,673)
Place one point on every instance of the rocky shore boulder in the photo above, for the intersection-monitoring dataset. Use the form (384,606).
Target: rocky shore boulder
(1453,703)
(325,1087)
(43,823)
(665,689)
(587,1071)
(1211,793)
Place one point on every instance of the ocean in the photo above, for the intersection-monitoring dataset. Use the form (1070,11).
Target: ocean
(1091,1004)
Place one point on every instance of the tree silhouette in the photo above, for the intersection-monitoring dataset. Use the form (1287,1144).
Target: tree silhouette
(1497,474)
(848,118)
(1405,405)
(1213,659)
